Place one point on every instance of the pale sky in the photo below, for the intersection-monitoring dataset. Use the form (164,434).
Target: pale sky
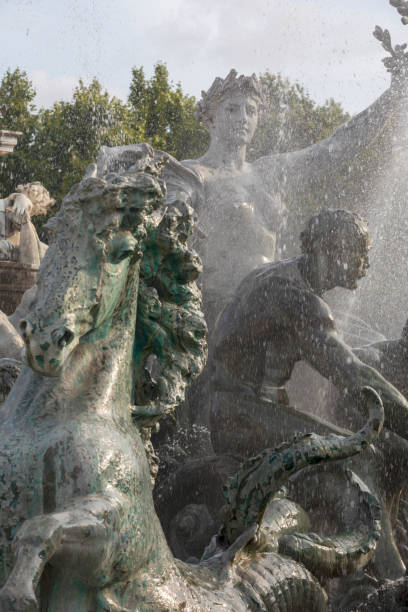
(327,45)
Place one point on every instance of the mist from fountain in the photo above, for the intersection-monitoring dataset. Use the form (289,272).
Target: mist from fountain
(382,297)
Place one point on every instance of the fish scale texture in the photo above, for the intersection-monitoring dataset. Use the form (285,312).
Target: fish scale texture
(274,583)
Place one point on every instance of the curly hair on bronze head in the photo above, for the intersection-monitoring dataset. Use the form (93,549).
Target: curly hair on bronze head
(332,229)
(223,88)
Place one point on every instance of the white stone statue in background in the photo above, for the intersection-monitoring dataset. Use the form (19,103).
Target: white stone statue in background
(19,241)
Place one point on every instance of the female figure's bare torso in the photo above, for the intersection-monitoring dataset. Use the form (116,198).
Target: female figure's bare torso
(238,221)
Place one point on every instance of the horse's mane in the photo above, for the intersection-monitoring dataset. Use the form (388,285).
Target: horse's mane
(170,343)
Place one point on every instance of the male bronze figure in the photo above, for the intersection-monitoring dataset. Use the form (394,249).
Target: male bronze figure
(278,317)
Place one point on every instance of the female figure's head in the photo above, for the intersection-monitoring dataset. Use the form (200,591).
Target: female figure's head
(229,109)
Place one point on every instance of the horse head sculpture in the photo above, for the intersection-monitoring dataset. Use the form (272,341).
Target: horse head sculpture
(85,271)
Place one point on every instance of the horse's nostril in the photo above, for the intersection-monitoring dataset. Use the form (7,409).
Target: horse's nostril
(66,338)
(24,328)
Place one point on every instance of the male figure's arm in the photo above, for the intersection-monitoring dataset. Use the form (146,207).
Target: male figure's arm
(268,308)
(323,348)
(369,354)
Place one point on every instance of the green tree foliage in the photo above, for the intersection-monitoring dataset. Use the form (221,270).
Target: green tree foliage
(17,112)
(166,115)
(71,133)
(58,143)
(16,100)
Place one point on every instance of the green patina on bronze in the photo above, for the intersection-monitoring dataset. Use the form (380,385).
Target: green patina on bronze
(113,338)
(260,478)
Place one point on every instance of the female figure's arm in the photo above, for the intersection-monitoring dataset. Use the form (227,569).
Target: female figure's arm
(350,139)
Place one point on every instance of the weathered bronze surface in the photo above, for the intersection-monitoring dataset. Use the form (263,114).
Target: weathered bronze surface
(112,339)
(277,318)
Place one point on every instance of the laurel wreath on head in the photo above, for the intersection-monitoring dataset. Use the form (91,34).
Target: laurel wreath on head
(397,63)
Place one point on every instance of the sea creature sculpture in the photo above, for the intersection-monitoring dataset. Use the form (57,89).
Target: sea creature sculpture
(113,337)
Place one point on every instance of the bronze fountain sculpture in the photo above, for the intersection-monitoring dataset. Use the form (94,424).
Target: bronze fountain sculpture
(112,338)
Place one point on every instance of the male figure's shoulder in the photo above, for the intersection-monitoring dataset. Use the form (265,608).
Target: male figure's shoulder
(284,269)
(279,285)
(287,289)
(274,297)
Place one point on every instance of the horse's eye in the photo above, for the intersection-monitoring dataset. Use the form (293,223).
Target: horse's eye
(122,249)
(123,255)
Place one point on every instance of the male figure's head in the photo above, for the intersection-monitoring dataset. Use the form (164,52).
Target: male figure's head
(335,244)
(229,109)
